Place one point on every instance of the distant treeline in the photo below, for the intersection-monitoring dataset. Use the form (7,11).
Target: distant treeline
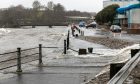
(52,14)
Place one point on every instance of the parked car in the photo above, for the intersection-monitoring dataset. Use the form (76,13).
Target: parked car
(81,24)
(115,28)
(92,24)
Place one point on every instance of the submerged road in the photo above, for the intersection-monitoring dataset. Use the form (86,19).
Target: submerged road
(60,74)
(57,74)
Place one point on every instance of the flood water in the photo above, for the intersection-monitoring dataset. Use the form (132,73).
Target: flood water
(64,69)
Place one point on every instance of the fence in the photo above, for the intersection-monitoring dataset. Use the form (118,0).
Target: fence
(67,41)
(9,59)
(19,57)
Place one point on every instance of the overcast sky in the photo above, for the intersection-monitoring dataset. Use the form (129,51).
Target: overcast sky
(81,5)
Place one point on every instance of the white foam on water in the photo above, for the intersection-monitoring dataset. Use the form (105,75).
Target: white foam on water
(3,31)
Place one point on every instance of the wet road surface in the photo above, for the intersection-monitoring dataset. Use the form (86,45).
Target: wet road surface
(54,75)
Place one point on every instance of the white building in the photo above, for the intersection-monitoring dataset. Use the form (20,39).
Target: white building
(121,3)
(131,18)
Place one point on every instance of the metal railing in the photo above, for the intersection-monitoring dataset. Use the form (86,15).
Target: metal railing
(16,58)
(122,75)
(10,61)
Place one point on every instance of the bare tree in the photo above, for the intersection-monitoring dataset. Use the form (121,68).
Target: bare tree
(36,9)
(50,5)
(36,5)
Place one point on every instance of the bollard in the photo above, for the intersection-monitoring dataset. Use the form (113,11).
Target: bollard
(68,41)
(82,51)
(50,26)
(134,51)
(83,33)
(68,33)
(65,46)
(79,31)
(114,68)
(19,60)
(76,35)
(90,49)
(33,26)
(40,54)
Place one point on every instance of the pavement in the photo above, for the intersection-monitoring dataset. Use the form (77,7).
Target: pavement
(123,35)
(53,75)
(65,69)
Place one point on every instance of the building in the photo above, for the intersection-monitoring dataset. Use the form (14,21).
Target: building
(128,14)
(77,19)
